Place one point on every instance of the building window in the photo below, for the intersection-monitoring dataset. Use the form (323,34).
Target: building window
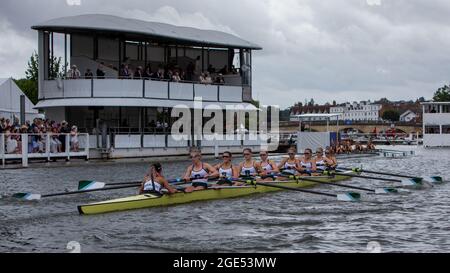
(446,129)
(431,108)
(432,129)
(445,108)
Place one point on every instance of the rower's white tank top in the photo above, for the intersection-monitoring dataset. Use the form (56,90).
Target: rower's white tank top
(148,186)
(228,173)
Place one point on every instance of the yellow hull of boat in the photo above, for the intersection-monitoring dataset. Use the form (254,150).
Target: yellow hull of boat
(151,200)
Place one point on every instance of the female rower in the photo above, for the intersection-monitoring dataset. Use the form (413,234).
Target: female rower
(266,165)
(154,181)
(307,163)
(322,162)
(332,161)
(198,173)
(248,167)
(290,165)
(226,169)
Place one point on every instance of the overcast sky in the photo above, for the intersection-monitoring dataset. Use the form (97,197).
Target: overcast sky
(341,50)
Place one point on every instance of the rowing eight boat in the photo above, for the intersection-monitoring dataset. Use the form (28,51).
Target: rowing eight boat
(153,200)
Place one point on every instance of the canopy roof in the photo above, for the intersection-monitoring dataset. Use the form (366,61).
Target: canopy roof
(132,28)
(132,102)
(315,116)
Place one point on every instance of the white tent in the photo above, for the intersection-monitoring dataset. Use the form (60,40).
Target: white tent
(10,101)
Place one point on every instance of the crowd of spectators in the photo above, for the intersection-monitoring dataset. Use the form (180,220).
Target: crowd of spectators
(37,135)
(168,72)
(350,146)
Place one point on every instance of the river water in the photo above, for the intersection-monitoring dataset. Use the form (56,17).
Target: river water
(416,221)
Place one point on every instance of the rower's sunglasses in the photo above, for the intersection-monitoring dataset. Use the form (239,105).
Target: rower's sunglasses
(247,154)
(195,156)
(225,156)
(291,153)
(262,154)
(306,153)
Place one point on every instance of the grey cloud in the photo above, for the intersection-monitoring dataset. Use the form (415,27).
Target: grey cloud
(328,50)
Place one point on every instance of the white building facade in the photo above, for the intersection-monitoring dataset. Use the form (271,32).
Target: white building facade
(436,124)
(357,111)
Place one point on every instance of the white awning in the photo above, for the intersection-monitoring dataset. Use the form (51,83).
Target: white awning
(315,116)
(130,102)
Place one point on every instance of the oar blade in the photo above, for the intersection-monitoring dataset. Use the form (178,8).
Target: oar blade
(433,179)
(386,191)
(412,182)
(349,197)
(27,196)
(90,185)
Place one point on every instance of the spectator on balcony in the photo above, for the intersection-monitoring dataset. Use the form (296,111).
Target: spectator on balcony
(148,72)
(224,70)
(233,70)
(211,69)
(168,75)
(220,79)
(176,77)
(190,70)
(65,129)
(208,79)
(55,143)
(201,78)
(138,74)
(160,73)
(100,72)
(88,74)
(74,73)
(74,143)
(124,72)
(182,75)
(198,68)
(11,143)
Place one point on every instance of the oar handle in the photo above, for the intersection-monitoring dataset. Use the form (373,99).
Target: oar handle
(375,172)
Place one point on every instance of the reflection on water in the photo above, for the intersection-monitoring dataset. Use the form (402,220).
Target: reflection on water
(280,222)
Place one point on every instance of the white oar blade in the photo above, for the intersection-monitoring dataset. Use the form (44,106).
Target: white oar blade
(412,182)
(433,179)
(90,185)
(349,196)
(27,196)
(386,191)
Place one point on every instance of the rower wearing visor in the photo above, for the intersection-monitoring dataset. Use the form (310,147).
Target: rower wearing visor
(154,181)
(198,173)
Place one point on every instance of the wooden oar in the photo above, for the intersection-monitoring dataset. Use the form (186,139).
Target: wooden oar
(348,196)
(37,196)
(431,179)
(376,191)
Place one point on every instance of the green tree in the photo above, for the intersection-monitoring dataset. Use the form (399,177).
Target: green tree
(29,84)
(442,94)
(391,115)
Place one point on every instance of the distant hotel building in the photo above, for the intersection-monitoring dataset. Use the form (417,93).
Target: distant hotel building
(363,110)
(346,111)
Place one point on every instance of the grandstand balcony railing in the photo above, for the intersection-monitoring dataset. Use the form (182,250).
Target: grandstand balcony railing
(43,146)
(143,88)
